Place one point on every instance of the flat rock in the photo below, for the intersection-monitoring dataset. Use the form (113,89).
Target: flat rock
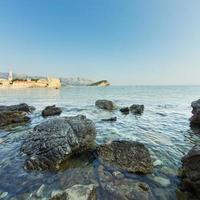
(55,140)
(77,192)
(127,155)
(112,119)
(51,111)
(105,105)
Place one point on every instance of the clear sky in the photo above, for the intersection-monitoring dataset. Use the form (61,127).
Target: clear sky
(123,41)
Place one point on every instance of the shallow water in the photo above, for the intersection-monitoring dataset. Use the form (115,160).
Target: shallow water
(163,128)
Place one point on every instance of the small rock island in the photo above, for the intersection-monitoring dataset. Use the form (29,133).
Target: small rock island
(48,82)
(102,83)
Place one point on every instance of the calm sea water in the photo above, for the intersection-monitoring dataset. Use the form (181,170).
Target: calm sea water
(163,128)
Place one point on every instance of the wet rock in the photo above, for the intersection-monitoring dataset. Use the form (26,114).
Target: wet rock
(127,155)
(137,109)
(162,181)
(40,191)
(126,189)
(125,110)
(195,119)
(112,119)
(105,104)
(3,195)
(23,107)
(55,140)
(13,117)
(80,192)
(191,172)
(51,111)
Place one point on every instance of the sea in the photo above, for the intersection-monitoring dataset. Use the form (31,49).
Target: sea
(163,127)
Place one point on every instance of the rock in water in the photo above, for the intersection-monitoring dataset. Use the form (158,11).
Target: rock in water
(125,110)
(137,109)
(77,192)
(55,140)
(195,119)
(127,155)
(191,172)
(13,117)
(51,111)
(105,104)
(112,119)
(23,107)
(126,189)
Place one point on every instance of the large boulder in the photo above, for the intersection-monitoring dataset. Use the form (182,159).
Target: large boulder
(13,117)
(80,192)
(105,105)
(195,119)
(55,140)
(191,172)
(51,111)
(23,107)
(127,155)
(137,109)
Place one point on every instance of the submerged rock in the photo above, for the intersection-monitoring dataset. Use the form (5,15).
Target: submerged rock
(191,172)
(125,110)
(55,140)
(23,107)
(195,119)
(126,155)
(13,117)
(126,189)
(105,104)
(51,111)
(112,119)
(77,192)
(137,109)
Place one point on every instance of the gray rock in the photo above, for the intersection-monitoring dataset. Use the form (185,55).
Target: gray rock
(55,140)
(137,109)
(112,119)
(77,192)
(127,155)
(12,117)
(195,119)
(105,104)
(23,107)
(125,110)
(191,172)
(51,111)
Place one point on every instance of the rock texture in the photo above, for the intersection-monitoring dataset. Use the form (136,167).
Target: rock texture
(51,111)
(14,114)
(54,83)
(126,155)
(191,172)
(105,104)
(125,189)
(77,192)
(23,107)
(137,109)
(55,140)
(195,119)
(13,117)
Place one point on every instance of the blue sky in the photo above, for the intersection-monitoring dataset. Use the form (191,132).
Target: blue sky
(124,41)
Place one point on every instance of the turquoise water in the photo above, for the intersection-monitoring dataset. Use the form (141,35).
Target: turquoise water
(163,128)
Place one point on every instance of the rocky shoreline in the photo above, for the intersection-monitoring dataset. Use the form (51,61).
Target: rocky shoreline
(57,140)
